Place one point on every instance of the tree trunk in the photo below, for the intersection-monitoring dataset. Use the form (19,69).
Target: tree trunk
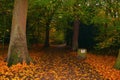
(117,63)
(18,52)
(75,35)
(49,19)
(47,36)
(68,37)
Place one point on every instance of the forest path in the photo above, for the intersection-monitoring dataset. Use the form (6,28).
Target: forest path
(57,64)
(54,63)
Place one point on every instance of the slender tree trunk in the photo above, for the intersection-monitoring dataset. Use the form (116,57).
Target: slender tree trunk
(47,35)
(75,34)
(117,63)
(18,52)
(49,19)
(68,37)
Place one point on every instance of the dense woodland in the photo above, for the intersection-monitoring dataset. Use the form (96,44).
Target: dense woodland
(34,33)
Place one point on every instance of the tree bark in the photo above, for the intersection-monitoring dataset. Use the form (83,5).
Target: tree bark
(18,52)
(75,34)
(117,63)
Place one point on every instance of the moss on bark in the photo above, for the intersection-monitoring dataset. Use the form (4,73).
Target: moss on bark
(13,59)
(16,58)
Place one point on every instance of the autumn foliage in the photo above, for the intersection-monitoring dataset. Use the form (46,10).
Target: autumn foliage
(104,65)
(61,65)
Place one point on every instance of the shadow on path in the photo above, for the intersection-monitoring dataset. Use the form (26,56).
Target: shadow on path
(58,64)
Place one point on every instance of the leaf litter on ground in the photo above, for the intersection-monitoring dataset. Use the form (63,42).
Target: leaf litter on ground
(57,63)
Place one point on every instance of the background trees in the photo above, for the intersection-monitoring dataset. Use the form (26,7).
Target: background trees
(51,21)
(5,20)
(48,9)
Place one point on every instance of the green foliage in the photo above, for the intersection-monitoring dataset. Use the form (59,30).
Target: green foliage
(107,21)
(5,20)
(57,37)
(60,15)
(109,40)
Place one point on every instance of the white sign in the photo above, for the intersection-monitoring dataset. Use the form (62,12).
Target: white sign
(83,50)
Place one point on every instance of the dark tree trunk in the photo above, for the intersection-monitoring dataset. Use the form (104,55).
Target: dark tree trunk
(18,52)
(47,33)
(68,37)
(75,35)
